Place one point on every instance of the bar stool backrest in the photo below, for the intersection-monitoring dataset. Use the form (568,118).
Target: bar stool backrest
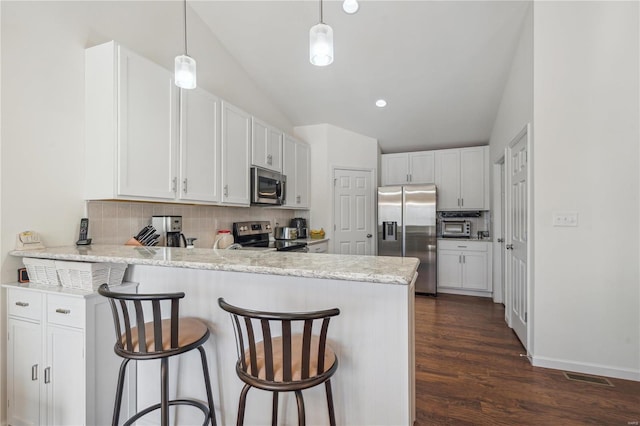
(256,332)
(129,310)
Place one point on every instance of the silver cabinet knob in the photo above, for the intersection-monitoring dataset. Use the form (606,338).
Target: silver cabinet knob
(369,235)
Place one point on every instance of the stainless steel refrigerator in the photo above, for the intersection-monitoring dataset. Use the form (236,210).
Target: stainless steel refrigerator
(407,227)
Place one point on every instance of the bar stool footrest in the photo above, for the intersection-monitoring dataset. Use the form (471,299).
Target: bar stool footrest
(192,402)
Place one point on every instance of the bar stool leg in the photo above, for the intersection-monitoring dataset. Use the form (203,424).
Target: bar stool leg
(274,410)
(301,420)
(119,389)
(332,414)
(243,403)
(207,384)
(164,392)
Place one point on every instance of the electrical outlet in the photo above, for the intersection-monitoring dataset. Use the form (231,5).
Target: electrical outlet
(565,219)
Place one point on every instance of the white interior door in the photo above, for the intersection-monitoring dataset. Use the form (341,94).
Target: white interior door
(517,236)
(353,216)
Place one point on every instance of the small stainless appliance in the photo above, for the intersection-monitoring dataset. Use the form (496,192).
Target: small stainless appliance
(267,187)
(455,228)
(300,224)
(285,233)
(170,230)
(407,228)
(255,235)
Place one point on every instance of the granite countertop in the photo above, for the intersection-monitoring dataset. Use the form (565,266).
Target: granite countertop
(374,269)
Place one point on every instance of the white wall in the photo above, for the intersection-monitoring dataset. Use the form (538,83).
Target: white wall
(586,159)
(332,147)
(42,101)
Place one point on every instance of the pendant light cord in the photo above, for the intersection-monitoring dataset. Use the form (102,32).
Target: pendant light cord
(321,19)
(185,29)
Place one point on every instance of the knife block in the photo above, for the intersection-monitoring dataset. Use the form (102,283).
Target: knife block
(132,242)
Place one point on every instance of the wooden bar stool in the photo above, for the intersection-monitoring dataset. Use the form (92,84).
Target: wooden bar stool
(157,339)
(271,357)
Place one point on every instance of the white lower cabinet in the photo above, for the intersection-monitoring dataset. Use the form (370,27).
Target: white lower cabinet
(318,247)
(61,368)
(464,267)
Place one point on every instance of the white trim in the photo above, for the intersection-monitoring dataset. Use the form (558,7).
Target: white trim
(586,368)
(498,219)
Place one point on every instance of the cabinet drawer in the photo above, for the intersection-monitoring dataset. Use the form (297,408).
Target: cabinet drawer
(25,304)
(318,247)
(463,245)
(65,310)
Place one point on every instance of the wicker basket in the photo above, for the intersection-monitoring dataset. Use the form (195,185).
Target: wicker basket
(41,271)
(89,276)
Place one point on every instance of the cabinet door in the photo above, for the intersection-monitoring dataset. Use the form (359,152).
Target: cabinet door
(289,170)
(266,146)
(65,378)
(199,147)
(474,267)
(472,181)
(449,269)
(147,117)
(395,169)
(422,167)
(236,139)
(448,179)
(25,372)
(303,165)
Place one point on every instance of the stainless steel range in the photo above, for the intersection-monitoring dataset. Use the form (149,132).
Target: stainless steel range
(255,235)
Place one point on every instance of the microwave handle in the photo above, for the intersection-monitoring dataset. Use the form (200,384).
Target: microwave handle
(281,190)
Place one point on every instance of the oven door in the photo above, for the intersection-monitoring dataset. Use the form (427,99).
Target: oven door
(267,187)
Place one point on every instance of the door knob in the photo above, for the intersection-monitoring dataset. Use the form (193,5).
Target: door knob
(501,240)
(509,246)
(369,235)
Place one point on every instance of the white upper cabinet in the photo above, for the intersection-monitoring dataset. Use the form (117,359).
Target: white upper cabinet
(296,167)
(141,142)
(236,140)
(266,146)
(462,178)
(407,168)
(199,146)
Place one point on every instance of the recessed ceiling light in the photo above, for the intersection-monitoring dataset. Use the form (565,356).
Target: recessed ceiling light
(381,103)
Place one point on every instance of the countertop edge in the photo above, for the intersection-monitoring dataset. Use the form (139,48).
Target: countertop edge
(360,270)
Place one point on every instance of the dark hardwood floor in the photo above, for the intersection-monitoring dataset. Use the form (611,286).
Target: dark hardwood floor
(469,371)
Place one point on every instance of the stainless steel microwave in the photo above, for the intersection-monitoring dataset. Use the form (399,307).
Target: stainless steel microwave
(267,187)
(455,228)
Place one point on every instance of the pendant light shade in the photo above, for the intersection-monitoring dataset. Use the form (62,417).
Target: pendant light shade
(185,68)
(185,72)
(350,6)
(321,45)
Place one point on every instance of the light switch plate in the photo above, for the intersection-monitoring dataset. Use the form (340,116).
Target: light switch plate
(565,218)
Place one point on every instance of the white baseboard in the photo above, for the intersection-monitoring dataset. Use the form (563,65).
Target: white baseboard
(586,368)
(464,292)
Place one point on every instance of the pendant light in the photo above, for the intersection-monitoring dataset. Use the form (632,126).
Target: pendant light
(350,6)
(321,43)
(185,71)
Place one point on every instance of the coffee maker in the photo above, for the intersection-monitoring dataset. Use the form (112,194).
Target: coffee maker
(300,224)
(170,230)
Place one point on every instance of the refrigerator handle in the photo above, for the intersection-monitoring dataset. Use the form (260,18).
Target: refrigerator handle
(389,231)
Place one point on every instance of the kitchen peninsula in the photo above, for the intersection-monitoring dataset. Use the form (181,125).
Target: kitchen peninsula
(373,336)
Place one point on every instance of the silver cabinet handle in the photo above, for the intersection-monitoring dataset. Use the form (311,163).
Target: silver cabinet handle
(459,258)
(174,184)
(298,199)
(461,202)
(458,202)
(34,372)
(226,190)
(63,311)
(410,177)
(47,375)
(269,159)
(462,246)
(509,247)
(184,185)
(22,304)
(464,259)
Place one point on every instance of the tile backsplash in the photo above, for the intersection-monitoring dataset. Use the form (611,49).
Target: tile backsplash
(115,222)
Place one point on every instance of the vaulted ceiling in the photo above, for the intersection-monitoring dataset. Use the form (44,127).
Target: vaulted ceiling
(440,65)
